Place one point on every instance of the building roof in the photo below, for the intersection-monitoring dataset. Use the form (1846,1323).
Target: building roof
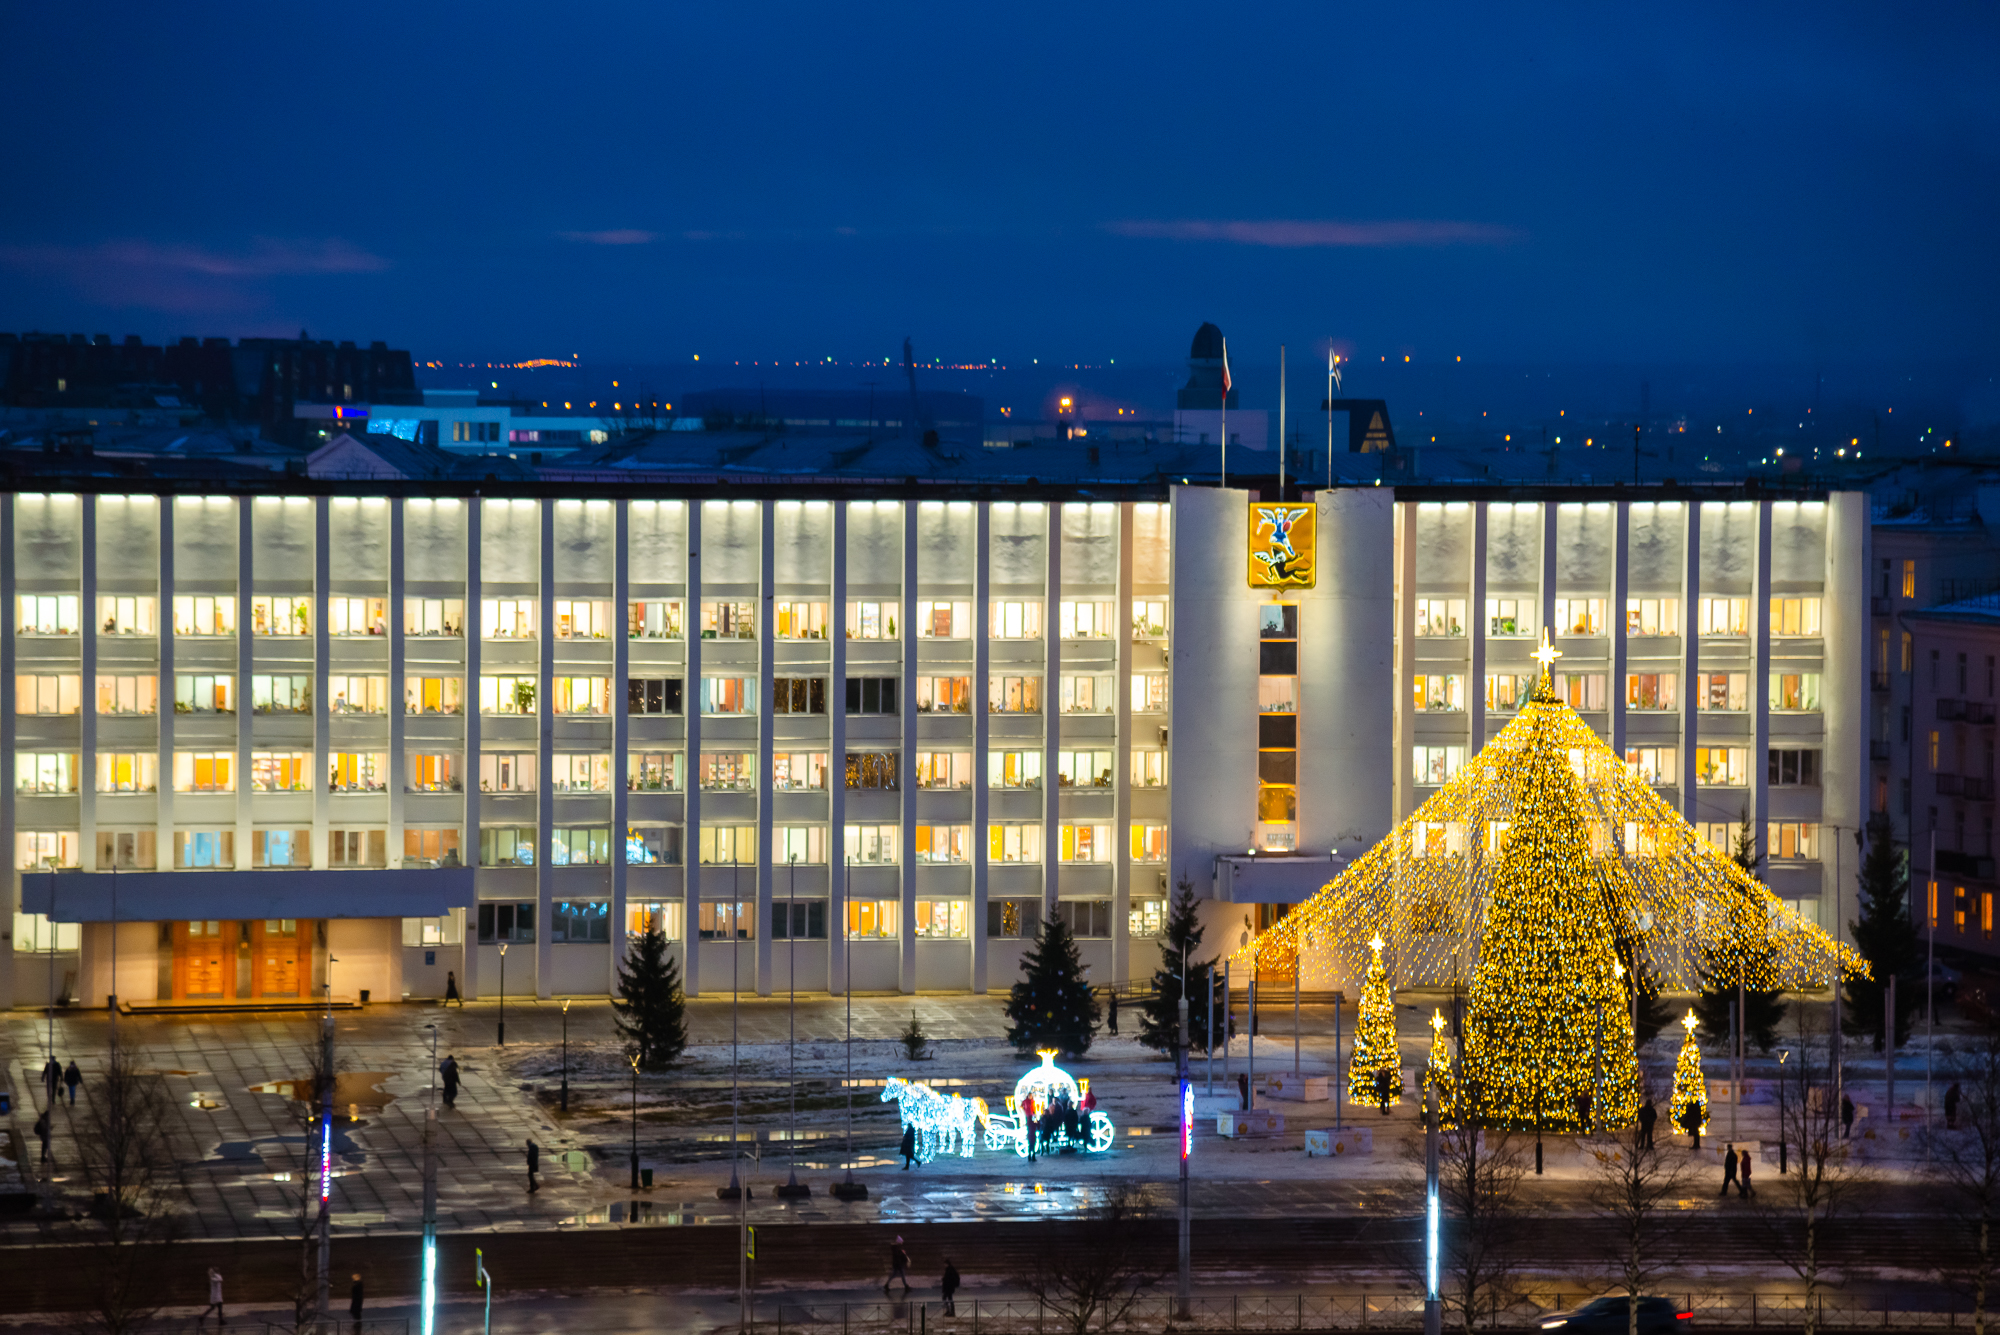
(1981,611)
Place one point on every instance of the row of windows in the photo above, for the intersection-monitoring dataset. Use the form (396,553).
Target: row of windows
(588,921)
(1722,692)
(197,849)
(1715,766)
(1644,617)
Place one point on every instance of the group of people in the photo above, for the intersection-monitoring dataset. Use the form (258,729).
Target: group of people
(1061,1113)
(899,1272)
(55,1077)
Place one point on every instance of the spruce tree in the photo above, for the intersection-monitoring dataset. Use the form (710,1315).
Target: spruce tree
(1053,1006)
(1376,1051)
(1159,1014)
(1763,1012)
(1886,938)
(650,1008)
(1690,1086)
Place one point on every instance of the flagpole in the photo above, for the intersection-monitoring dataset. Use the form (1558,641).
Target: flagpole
(1225,412)
(1329,418)
(1281,421)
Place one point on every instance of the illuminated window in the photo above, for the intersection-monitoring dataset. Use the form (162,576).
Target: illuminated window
(728,771)
(1653,764)
(357,772)
(1084,769)
(1014,769)
(428,618)
(1722,617)
(115,695)
(1149,768)
(205,693)
(1148,917)
(200,849)
(1652,616)
(944,769)
(46,614)
(498,694)
(654,619)
(727,921)
(1579,616)
(583,619)
(802,843)
(353,695)
(1440,616)
(448,930)
(798,771)
(1652,690)
(54,693)
(1085,618)
(1149,843)
(1510,617)
(134,771)
(1794,691)
(1149,692)
(728,695)
(1722,692)
(1014,695)
(799,620)
(652,845)
(579,846)
(1722,766)
(1086,843)
(432,846)
(1014,843)
(1795,616)
(508,772)
(353,616)
(1149,618)
(943,919)
(49,772)
(871,845)
(1579,690)
(1909,579)
(728,620)
(580,695)
(40,850)
(871,620)
(122,615)
(944,843)
(1089,693)
(942,619)
(440,695)
(1790,840)
(201,615)
(1506,692)
(204,771)
(944,695)
(873,919)
(1014,619)
(579,772)
(1433,765)
(1438,692)
(653,772)
(727,845)
(507,618)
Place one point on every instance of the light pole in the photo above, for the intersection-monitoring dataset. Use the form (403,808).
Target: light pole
(1433,1308)
(1782,1054)
(1184,1294)
(503,994)
(634,1059)
(848,1189)
(565,1055)
(324,1284)
(793,1189)
(428,1280)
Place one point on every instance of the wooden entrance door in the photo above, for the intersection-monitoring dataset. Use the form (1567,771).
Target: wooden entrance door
(199,960)
(281,955)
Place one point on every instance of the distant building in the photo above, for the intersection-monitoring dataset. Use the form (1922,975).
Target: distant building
(1198,406)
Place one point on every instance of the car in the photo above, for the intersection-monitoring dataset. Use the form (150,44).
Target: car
(1609,1316)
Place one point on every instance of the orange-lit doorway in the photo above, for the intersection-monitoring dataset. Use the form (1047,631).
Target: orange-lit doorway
(240,961)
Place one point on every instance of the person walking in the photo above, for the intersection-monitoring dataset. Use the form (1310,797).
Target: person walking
(214,1301)
(1728,1169)
(448,1068)
(1648,1115)
(534,1165)
(1112,1013)
(451,990)
(1951,1098)
(909,1146)
(42,1133)
(899,1265)
(1243,1090)
(1846,1117)
(950,1287)
(1743,1187)
(52,1078)
(72,1078)
(354,1301)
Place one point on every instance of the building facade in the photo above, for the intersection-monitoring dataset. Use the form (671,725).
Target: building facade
(356,736)
(1950,677)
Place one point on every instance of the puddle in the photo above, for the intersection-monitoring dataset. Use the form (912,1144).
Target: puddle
(206,1100)
(352,1090)
(179,1073)
(577,1161)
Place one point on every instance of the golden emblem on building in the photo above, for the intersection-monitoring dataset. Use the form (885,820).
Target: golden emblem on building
(1281,545)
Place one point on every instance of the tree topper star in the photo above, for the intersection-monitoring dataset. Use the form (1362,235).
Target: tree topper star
(1548,653)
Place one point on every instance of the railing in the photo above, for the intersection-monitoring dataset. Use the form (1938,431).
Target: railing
(1878,748)
(1949,785)
(1388,1310)
(367,1326)
(1879,680)
(1950,710)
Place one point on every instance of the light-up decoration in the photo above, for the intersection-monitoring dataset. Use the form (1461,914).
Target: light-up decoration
(944,1125)
(1541,862)
(1187,1118)
(1282,538)
(1046,1086)
(1690,1084)
(1376,1052)
(325,1155)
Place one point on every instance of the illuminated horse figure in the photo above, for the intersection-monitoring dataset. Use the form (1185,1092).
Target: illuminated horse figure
(1009,1130)
(944,1125)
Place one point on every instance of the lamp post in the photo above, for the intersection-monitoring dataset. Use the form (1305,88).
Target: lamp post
(634,1059)
(1433,1307)
(503,994)
(1782,1054)
(428,1278)
(848,1189)
(565,1056)
(793,1189)
(1184,1294)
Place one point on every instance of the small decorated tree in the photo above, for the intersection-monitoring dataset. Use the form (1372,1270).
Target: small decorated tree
(1375,1047)
(1689,1108)
(1437,1071)
(1159,1016)
(1053,1005)
(651,1009)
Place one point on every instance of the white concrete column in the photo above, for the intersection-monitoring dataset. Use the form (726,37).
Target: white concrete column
(1844,686)
(691,710)
(906,764)
(86,756)
(399,760)
(982,665)
(621,728)
(836,761)
(1550,510)
(246,549)
(1121,885)
(1690,657)
(475,515)
(1475,629)
(163,808)
(1760,678)
(322,654)
(1051,715)
(10,727)
(1614,625)
(545,737)
(767,616)
(1402,729)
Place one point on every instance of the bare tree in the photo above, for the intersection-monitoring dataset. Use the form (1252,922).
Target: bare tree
(302,1201)
(1967,1157)
(1792,1209)
(1479,1186)
(1634,1193)
(1095,1275)
(135,1189)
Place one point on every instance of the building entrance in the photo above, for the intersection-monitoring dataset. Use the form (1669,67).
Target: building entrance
(229,960)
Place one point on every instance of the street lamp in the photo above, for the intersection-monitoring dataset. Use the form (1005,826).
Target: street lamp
(848,1189)
(565,1055)
(503,994)
(1782,1054)
(793,1189)
(635,1120)
(428,1277)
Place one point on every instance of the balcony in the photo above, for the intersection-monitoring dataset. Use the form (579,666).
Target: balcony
(1949,785)
(1978,711)
(1879,605)
(1978,790)
(1879,680)
(1878,749)
(1950,711)
(1964,864)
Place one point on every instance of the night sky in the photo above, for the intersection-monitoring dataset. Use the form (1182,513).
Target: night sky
(1728,184)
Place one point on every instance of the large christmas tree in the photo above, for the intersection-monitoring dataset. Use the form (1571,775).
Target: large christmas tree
(1159,1016)
(1375,1048)
(1549,1038)
(1052,1006)
(650,1008)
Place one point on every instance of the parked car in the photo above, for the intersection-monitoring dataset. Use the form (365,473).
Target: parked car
(1609,1316)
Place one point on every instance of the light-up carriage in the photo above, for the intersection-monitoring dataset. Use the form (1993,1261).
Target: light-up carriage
(1047,1086)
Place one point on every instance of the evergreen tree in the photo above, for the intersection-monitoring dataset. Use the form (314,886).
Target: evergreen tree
(1375,1048)
(1159,1014)
(1886,938)
(1763,1012)
(1053,1006)
(1690,1084)
(650,1008)
(1437,1071)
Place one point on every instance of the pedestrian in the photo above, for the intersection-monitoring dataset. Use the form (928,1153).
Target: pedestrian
(1583,1112)
(1743,1187)
(214,1301)
(1382,1091)
(354,1301)
(42,1133)
(451,990)
(1243,1090)
(52,1078)
(1846,1117)
(72,1077)
(1112,1015)
(899,1265)
(1728,1169)
(950,1287)
(1647,1116)
(534,1164)
(448,1068)
(1691,1123)
(909,1146)
(1951,1098)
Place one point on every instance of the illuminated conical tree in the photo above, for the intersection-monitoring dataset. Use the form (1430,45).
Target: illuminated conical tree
(1437,1071)
(1548,1035)
(1690,1085)
(1375,1046)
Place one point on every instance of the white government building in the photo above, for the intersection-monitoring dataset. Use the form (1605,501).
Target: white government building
(834,733)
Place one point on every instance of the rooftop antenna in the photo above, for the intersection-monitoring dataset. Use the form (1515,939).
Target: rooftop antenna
(1332,386)
(916,426)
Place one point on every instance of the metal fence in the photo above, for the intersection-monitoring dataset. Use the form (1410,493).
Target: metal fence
(1388,1311)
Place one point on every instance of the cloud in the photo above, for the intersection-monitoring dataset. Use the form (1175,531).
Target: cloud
(174,277)
(617,236)
(1297,234)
